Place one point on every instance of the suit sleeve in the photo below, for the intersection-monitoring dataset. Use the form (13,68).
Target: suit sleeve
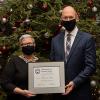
(90,63)
(7,77)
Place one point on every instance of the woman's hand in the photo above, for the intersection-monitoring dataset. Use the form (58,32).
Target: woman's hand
(27,93)
(23,92)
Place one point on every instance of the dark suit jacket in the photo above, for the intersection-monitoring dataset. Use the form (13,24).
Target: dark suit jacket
(80,64)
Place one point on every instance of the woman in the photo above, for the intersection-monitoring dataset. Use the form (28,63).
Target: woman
(14,78)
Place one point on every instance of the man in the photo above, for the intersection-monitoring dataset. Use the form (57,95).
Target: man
(77,50)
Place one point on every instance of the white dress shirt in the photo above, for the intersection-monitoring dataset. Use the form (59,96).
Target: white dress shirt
(73,35)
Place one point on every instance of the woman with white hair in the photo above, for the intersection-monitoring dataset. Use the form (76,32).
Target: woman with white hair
(14,78)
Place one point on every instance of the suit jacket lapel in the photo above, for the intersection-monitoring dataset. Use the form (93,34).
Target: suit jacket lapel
(77,39)
(61,40)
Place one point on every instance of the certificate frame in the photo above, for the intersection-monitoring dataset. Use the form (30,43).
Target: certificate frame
(43,83)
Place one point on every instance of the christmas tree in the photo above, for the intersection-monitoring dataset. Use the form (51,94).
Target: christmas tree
(41,19)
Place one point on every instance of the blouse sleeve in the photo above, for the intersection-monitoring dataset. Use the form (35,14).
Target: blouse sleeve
(7,76)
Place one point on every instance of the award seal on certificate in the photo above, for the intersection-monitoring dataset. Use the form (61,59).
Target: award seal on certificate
(46,77)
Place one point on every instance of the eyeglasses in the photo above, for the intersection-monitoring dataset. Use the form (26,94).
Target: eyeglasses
(27,44)
(67,18)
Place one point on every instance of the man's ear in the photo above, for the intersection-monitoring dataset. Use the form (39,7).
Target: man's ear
(34,44)
(77,16)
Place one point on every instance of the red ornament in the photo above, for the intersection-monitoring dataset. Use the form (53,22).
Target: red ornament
(14,28)
(58,28)
(43,6)
(29,30)
(90,3)
(4,50)
(17,23)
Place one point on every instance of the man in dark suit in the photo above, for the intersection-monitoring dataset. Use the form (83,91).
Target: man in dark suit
(77,50)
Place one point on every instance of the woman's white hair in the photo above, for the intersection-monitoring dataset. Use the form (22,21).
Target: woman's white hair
(25,36)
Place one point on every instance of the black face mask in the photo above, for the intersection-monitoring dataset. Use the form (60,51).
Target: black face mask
(28,50)
(69,25)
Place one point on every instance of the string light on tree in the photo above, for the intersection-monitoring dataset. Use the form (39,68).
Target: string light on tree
(27,20)
(1,1)
(11,10)
(94,9)
(29,6)
(26,24)
(46,35)
(4,19)
(60,11)
(99,92)
(93,83)
(14,28)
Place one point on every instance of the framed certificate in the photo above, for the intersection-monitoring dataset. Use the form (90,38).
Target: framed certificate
(46,77)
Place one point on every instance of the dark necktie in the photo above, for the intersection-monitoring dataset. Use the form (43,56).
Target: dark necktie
(68,46)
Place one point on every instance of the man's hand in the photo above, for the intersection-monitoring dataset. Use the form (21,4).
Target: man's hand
(69,87)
